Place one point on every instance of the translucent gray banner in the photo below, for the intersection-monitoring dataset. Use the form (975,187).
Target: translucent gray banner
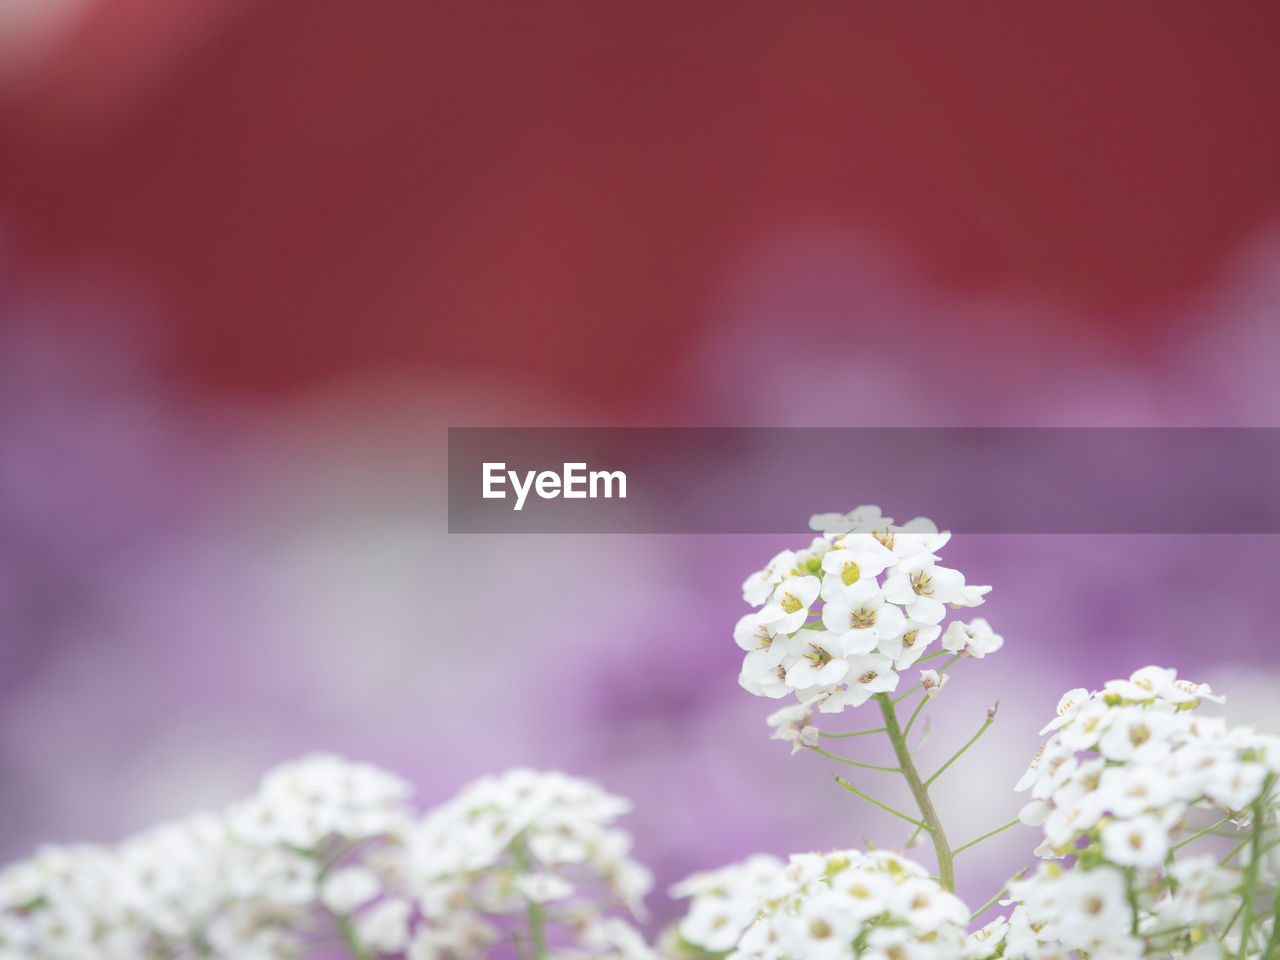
(769,480)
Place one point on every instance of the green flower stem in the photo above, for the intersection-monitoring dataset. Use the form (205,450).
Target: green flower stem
(1196,836)
(932,656)
(1240,846)
(990,833)
(924,738)
(854,763)
(994,900)
(1131,894)
(883,806)
(911,840)
(537,930)
(855,733)
(348,931)
(1234,917)
(536,912)
(1273,942)
(1251,871)
(932,823)
(906,732)
(991,716)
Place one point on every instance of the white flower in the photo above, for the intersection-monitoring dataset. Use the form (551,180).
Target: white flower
(306,801)
(795,724)
(823,922)
(860,519)
(859,617)
(974,639)
(715,923)
(917,536)
(869,674)
(1131,790)
(1184,691)
(726,900)
(972,596)
(763,673)
(614,938)
(923,588)
(885,905)
(1094,907)
(1145,684)
(457,934)
(789,607)
(856,559)
(757,587)
(911,644)
(927,907)
(384,927)
(1234,786)
(1071,818)
(932,683)
(986,938)
(1032,773)
(1087,725)
(832,700)
(864,624)
(1135,734)
(752,632)
(1069,705)
(820,664)
(543,887)
(348,888)
(1141,842)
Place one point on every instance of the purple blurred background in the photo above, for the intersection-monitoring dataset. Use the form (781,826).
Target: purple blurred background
(232,335)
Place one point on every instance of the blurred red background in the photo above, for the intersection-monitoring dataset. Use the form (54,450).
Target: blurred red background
(548,192)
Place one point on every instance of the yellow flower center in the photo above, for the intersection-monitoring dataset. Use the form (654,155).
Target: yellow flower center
(817,656)
(850,574)
(862,618)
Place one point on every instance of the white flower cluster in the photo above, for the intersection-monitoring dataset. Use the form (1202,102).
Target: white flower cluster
(328,857)
(525,840)
(832,906)
(726,901)
(1092,910)
(829,630)
(1115,787)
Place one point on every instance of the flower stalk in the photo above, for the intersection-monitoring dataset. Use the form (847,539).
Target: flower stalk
(920,793)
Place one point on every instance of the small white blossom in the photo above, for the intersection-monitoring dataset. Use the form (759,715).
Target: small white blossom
(973,639)
(924,588)
(870,674)
(858,520)
(864,624)
(348,888)
(820,662)
(1141,842)
(794,724)
(757,588)
(788,608)
(384,927)
(932,683)
(909,645)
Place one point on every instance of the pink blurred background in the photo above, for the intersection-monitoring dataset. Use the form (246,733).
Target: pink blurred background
(255,257)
